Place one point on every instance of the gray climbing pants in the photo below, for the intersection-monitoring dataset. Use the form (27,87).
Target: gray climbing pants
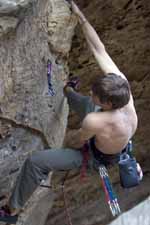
(37,167)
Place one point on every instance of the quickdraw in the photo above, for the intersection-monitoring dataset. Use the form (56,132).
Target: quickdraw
(51,91)
(109,193)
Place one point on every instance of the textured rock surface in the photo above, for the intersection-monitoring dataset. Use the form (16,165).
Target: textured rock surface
(38,207)
(30,119)
(86,201)
(7,24)
(24,97)
(137,215)
(14,6)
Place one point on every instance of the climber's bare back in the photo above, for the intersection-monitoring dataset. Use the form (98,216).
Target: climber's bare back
(113,129)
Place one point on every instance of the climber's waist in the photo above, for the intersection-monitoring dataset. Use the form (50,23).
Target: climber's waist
(103,158)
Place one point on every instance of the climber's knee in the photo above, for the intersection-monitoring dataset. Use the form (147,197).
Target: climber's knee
(35,165)
(38,161)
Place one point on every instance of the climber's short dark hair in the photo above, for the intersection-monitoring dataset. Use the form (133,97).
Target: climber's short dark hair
(112,88)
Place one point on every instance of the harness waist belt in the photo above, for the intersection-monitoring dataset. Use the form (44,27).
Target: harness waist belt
(103,158)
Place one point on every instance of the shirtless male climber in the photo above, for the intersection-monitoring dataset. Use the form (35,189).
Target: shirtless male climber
(110,127)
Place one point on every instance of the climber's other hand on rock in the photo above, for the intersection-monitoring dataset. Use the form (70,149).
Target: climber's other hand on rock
(73,82)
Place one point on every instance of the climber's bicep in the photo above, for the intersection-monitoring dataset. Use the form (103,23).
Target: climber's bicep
(88,128)
(106,63)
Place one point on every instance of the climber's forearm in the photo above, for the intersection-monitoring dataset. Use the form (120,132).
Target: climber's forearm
(89,32)
(92,37)
(97,47)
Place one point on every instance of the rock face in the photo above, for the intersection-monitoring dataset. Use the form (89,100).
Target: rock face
(31,32)
(14,6)
(137,215)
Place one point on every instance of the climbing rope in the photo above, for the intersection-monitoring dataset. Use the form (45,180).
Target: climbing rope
(65,200)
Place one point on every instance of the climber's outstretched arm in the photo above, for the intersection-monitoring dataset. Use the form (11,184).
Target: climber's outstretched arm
(97,47)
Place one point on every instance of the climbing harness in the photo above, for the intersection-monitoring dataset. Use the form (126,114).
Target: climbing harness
(111,197)
(51,91)
(109,193)
(129,170)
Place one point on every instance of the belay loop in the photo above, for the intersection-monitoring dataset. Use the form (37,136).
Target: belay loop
(51,91)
